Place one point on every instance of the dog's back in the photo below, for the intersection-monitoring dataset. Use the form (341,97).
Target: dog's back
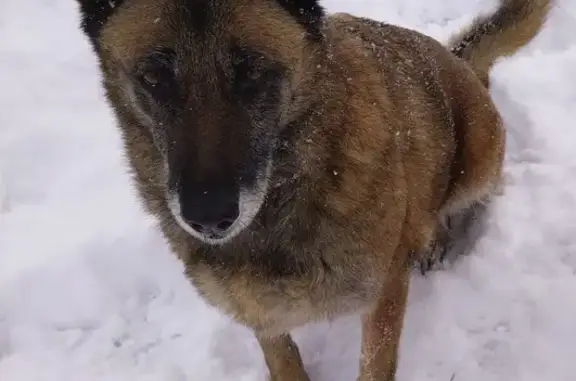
(426,99)
(453,167)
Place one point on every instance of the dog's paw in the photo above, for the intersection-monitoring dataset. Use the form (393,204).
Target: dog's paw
(430,260)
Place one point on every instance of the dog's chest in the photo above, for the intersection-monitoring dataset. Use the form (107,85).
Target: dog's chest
(275,303)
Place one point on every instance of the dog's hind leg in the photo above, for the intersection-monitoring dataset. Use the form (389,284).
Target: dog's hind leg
(476,176)
(457,235)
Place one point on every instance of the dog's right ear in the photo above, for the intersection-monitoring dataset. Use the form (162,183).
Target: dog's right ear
(94,15)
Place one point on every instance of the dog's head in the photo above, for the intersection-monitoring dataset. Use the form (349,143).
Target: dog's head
(210,84)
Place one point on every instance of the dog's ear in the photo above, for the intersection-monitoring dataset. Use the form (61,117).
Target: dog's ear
(94,14)
(309,14)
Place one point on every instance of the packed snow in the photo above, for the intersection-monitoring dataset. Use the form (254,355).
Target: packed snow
(89,290)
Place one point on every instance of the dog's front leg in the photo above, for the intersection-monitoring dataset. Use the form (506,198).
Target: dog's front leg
(382,327)
(283,358)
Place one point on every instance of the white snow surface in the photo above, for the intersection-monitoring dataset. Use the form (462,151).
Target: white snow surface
(89,290)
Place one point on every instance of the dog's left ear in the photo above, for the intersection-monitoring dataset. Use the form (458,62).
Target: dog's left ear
(95,14)
(308,13)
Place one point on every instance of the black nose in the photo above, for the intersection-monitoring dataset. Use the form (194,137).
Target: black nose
(209,209)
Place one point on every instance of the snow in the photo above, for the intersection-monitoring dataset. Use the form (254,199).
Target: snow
(89,290)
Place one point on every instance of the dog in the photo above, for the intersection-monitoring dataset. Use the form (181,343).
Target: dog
(300,163)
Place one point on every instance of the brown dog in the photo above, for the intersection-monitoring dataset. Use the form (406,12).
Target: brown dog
(298,161)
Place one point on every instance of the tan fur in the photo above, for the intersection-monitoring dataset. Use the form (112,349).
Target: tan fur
(514,25)
(393,135)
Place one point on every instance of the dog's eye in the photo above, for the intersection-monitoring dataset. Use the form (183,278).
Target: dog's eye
(156,74)
(254,75)
(250,81)
(156,78)
(150,78)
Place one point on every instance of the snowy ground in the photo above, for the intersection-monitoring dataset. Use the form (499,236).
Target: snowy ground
(89,291)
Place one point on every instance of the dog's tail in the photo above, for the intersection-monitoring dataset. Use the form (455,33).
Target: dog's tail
(514,24)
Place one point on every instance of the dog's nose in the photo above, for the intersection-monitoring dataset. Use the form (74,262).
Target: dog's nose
(210,210)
